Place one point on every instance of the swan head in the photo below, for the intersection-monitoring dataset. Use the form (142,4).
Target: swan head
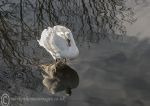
(66,36)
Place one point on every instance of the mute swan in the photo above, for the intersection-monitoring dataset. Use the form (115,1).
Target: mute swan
(59,42)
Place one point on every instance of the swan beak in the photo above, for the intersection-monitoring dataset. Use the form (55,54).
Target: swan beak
(69,42)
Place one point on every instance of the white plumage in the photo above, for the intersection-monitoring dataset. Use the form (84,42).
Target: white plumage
(59,42)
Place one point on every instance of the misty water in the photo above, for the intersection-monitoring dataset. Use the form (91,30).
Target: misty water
(113,40)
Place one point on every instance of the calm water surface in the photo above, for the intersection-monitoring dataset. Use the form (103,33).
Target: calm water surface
(113,68)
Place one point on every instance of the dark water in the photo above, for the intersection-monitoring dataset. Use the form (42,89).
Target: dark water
(112,72)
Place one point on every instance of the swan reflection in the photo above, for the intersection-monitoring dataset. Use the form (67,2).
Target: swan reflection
(59,77)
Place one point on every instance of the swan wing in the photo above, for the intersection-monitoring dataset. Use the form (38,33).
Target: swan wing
(45,40)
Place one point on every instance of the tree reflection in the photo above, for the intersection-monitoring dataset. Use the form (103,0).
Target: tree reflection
(90,20)
(21,23)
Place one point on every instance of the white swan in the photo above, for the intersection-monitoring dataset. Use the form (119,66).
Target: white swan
(59,42)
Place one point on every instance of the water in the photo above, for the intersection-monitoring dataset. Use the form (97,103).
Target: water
(112,73)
